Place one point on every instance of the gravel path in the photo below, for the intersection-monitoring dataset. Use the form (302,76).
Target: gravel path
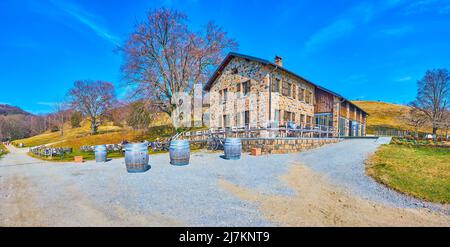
(343,163)
(33,192)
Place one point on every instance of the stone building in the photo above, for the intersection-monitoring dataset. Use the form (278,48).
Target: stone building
(247,91)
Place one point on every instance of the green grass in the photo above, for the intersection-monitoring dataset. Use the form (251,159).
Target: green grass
(91,155)
(3,150)
(419,171)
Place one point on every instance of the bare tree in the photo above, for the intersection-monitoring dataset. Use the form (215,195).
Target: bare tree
(445,123)
(15,127)
(140,116)
(75,119)
(61,115)
(92,98)
(416,119)
(163,56)
(433,96)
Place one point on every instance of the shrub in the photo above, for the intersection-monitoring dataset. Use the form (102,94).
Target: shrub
(75,119)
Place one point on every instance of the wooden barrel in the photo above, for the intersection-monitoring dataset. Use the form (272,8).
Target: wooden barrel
(136,157)
(232,148)
(179,152)
(100,153)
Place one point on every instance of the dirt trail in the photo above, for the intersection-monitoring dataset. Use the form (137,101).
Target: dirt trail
(319,203)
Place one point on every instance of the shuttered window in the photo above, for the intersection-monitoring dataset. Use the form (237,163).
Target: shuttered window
(226,120)
(301,94)
(247,117)
(287,88)
(246,87)
(275,85)
(308,97)
(238,90)
(289,116)
(294,90)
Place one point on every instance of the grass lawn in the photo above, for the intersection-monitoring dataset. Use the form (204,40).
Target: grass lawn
(91,155)
(3,150)
(419,171)
(70,157)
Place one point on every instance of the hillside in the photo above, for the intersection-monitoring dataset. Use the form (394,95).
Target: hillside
(381,115)
(384,115)
(12,110)
(107,134)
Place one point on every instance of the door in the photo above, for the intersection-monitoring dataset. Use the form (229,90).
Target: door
(350,128)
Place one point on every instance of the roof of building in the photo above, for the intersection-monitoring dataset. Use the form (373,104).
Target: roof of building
(231,55)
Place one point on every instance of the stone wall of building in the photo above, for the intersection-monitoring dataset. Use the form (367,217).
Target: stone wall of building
(237,72)
(292,104)
(240,70)
(285,145)
(276,145)
(257,101)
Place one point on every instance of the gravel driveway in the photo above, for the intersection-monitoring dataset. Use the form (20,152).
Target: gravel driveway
(33,192)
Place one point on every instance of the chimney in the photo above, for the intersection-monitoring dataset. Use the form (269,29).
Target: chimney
(279,61)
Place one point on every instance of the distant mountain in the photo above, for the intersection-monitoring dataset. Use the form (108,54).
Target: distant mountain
(12,110)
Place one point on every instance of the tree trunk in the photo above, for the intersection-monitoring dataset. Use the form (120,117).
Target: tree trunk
(435,130)
(93,126)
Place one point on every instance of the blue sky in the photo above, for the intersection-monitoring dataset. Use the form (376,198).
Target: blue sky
(371,50)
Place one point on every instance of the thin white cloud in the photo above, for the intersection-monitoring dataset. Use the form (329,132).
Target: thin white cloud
(51,104)
(403,79)
(425,6)
(83,17)
(347,22)
(329,33)
(397,31)
(341,26)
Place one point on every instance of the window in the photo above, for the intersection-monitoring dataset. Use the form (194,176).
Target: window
(308,120)
(294,90)
(238,90)
(224,95)
(287,87)
(226,120)
(302,118)
(246,87)
(289,116)
(238,119)
(286,116)
(247,117)
(275,85)
(277,116)
(301,94)
(308,98)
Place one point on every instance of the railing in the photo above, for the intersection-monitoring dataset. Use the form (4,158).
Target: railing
(302,131)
